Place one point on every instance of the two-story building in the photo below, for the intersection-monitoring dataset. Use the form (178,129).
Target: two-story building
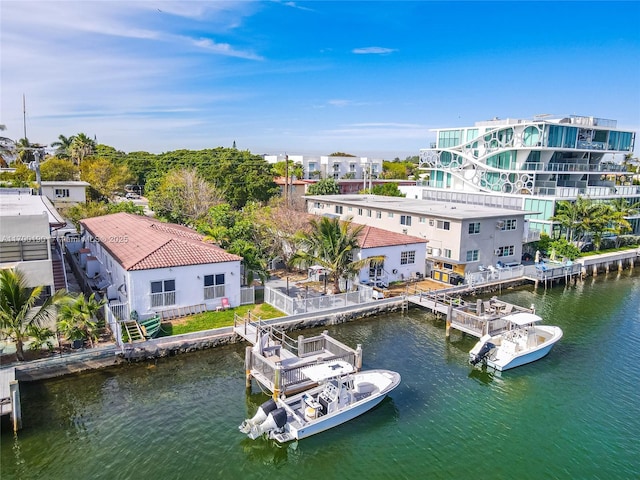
(461,238)
(153,266)
(327,166)
(27,222)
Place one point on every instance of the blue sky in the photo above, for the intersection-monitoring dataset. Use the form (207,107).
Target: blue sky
(366,78)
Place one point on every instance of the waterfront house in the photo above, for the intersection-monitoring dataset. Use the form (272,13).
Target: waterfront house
(530,165)
(461,238)
(404,256)
(152,266)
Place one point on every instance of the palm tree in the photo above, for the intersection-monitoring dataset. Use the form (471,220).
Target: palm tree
(82,146)
(572,215)
(18,310)
(331,244)
(620,210)
(63,146)
(77,318)
(25,151)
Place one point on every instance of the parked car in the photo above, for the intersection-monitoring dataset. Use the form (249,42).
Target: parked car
(132,196)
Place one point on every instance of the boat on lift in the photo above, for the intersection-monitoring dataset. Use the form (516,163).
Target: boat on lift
(524,342)
(340,396)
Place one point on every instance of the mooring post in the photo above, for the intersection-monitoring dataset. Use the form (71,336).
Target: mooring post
(358,357)
(276,381)
(247,366)
(620,265)
(448,321)
(16,413)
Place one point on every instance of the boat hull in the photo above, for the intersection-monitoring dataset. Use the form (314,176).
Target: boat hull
(354,395)
(502,361)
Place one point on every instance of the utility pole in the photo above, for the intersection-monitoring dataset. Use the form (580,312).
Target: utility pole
(286,179)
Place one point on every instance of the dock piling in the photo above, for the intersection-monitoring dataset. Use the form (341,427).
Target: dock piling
(16,413)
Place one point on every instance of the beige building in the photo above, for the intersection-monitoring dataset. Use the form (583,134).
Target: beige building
(461,238)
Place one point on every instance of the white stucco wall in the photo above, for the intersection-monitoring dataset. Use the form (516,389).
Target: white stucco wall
(393,269)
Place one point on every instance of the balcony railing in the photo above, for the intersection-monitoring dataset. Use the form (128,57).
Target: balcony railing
(163,299)
(214,291)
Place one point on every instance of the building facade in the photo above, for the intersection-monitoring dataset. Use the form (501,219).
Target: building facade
(319,167)
(27,222)
(460,238)
(530,165)
(153,266)
(66,193)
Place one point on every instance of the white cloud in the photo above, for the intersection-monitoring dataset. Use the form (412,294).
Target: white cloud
(373,51)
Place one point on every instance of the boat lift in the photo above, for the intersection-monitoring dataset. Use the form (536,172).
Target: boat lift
(276,360)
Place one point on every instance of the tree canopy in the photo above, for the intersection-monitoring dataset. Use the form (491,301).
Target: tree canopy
(326,186)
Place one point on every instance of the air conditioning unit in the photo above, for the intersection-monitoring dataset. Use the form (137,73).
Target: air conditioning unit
(394,271)
(497,251)
(500,224)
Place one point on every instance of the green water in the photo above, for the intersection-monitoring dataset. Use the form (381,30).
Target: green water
(573,415)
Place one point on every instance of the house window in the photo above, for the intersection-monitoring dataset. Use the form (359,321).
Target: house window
(163,293)
(408,258)
(423,220)
(368,213)
(24,251)
(390,215)
(339,209)
(405,220)
(446,253)
(472,255)
(312,167)
(378,214)
(350,209)
(352,167)
(443,225)
(505,251)
(317,205)
(61,193)
(474,228)
(431,222)
(214,286)
(360,211)
(510,224)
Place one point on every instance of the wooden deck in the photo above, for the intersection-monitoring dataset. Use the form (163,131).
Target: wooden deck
(276,360)
(475,319)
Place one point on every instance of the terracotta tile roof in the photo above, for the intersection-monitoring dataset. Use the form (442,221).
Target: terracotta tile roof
(142,243)
(371,237)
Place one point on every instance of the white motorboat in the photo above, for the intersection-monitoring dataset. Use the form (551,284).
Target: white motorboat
(341,395)
(524,342)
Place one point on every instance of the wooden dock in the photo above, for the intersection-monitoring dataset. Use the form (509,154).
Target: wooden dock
(276,360)
(475,319)
(10,396)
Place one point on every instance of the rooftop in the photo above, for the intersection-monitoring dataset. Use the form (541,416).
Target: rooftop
(372,237)
(457,211)
(14,203)
(142,243)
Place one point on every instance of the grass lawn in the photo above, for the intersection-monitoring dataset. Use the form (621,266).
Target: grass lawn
(212,319)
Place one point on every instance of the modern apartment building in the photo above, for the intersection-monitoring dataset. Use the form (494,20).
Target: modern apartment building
(529,165)
(461,238)
(318,167)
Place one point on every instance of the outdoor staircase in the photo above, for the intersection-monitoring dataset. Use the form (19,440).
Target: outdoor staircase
(58,275)
(133,330)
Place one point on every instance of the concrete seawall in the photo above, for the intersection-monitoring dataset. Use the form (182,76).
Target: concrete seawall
(111,356)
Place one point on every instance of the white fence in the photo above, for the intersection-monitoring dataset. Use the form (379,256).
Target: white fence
(493,274)
(113,321)
(248,295)
(293,306)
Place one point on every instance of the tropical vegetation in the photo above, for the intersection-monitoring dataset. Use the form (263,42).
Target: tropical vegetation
(77,318)
(24,313)
(331,244)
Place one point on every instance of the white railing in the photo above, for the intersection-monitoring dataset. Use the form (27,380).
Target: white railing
(293,306)
(493,274)
(119,310)
(214,291)
(163,299)
(114,324)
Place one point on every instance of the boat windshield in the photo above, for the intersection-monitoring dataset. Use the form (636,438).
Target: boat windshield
(323,371)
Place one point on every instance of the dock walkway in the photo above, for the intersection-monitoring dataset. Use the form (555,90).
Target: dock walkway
(475,319)
(276,360)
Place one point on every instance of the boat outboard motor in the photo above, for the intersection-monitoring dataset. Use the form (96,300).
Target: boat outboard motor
(275,420)
(484,351)
(261,415)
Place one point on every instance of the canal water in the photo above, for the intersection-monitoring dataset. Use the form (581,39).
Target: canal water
(574,414)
